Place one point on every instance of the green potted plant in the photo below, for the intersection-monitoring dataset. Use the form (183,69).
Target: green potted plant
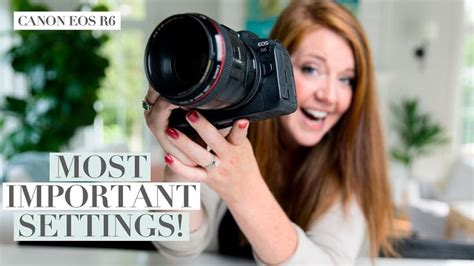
(417,135)
(63,70)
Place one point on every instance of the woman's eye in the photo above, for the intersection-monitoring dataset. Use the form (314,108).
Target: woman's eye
(347,81)
(309,70)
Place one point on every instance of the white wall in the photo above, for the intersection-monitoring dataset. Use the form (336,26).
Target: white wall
(393,28)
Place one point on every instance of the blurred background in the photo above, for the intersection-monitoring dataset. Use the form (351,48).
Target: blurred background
(72,91)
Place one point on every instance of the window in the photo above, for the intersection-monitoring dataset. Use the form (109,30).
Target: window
(468,78)
(122,88)
(120,116)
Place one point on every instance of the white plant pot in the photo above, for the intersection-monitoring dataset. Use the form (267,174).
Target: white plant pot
(411,191)
(405,189)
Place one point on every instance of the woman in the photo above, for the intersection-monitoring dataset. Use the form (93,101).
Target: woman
(302,188)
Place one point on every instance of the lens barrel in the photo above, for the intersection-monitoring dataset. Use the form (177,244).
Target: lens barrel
(195,62)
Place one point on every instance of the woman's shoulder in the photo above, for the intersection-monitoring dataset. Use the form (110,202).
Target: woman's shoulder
(351,205)
(342,213)
(341,230)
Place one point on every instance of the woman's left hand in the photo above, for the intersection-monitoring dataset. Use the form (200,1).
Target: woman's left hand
(228,168)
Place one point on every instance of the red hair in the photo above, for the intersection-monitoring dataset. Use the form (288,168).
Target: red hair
(350,159)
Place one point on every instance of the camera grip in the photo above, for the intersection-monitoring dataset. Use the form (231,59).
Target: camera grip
(178,120)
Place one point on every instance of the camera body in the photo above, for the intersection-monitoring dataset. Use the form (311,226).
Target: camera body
(243,77)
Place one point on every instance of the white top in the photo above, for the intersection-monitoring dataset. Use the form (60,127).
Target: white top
(334,239)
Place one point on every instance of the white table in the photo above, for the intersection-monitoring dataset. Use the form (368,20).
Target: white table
(38,256)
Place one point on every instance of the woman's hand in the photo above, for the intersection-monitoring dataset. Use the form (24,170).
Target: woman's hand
(229,164)
(228,167)
(226,164)
(237,180)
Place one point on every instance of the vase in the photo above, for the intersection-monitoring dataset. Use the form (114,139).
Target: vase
(405,187)
(411,191)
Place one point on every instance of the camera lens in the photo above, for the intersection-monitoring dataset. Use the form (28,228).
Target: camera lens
(194,62)
(190,65)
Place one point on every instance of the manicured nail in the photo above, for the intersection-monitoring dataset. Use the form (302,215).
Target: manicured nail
(172,133)
(243,125)
(193,116)
(169,159)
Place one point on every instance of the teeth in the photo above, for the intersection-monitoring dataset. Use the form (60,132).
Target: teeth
(317,114)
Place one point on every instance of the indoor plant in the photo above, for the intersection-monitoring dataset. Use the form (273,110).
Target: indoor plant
(417,134)
(63,70)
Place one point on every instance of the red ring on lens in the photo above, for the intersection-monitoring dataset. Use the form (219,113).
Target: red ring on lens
(214,83)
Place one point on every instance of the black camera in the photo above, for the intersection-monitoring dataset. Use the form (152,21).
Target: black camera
(196,63)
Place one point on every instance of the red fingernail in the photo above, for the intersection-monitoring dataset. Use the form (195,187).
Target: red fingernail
(172,133)
(168,159)
(243,125)
(193,116)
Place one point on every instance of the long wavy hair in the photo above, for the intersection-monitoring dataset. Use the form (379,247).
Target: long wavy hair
(349,161)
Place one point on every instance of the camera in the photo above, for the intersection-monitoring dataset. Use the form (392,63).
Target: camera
(196,63)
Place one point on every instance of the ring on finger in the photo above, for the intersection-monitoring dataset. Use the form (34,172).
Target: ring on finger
(213,163)
(146,106)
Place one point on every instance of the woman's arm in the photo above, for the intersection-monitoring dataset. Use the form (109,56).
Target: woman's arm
(238,182)
(196,217)
(334,239)
(268,229)
(203,227)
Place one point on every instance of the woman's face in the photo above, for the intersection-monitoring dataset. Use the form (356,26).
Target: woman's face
(323,67)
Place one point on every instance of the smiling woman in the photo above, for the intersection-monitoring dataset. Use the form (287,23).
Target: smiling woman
(302,188)
(324,69)
(346,163)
